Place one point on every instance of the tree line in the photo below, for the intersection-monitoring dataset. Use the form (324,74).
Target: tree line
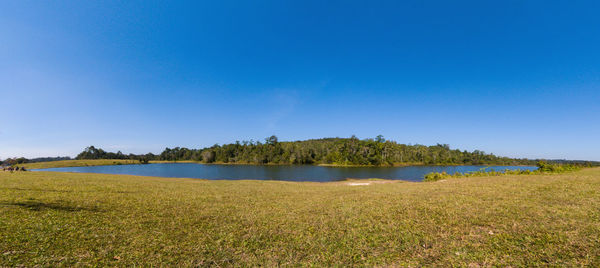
(329,151)
(23,160)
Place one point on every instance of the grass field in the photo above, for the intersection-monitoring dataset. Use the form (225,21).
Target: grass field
(53,219)
(78,163)
(89,162)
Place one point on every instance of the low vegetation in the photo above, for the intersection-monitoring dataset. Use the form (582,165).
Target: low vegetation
(542,168)
(72,219)
(78,163)
(23,160)
(91,162)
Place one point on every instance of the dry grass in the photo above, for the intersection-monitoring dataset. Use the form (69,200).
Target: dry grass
(67,219)
(78,163)
(89,162)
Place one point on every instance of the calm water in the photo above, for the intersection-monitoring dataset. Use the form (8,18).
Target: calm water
(284,173)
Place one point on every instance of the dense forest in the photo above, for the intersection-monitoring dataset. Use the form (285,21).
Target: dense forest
(334,151)
(328,151)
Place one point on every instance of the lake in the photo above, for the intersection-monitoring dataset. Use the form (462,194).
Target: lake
(283,173)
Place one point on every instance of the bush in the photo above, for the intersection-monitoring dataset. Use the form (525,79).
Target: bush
(543,168)
(436,176)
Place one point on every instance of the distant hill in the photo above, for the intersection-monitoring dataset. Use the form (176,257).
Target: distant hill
(48,159)
(326,151)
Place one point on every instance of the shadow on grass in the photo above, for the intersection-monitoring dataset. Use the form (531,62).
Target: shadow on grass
(65,191)
(37,206)
(38,190)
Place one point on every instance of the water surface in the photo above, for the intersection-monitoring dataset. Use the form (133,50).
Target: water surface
(284,173)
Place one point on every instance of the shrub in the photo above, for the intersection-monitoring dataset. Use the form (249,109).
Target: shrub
(543,168)
(435,176)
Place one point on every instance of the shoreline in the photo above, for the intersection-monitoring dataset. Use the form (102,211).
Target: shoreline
(110,162)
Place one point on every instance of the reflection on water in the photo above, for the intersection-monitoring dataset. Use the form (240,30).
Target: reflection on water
(285,173)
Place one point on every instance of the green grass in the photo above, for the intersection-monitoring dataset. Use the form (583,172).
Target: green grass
(78,163)
(66,219)
(89,162)
(543,168)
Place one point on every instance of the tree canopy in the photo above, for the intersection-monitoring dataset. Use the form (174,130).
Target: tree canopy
(335,151)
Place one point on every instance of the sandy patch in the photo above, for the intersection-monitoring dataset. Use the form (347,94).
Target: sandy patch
(365,183)
(358,183)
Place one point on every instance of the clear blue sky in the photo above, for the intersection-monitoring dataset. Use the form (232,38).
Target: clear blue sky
(514,78)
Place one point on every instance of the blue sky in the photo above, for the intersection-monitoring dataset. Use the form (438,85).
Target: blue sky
(514,78)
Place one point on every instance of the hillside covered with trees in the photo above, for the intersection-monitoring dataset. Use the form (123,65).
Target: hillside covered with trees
(327,151)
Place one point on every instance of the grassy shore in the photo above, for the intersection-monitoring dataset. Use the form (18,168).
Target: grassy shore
(78,163)
(89,162)
(66,219)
